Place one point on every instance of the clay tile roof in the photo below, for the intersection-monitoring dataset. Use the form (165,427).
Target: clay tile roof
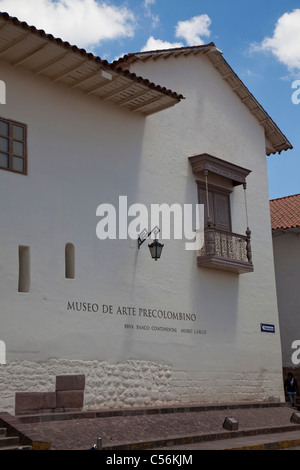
(285,212)
(43,54)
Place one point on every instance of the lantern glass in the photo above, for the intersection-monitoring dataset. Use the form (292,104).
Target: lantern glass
(155,249)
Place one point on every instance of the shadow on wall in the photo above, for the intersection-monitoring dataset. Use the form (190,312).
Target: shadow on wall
(2,353)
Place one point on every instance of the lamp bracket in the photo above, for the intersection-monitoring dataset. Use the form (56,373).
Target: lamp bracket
(144,235)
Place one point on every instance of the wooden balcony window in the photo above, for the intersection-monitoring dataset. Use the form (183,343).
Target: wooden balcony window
(222,248)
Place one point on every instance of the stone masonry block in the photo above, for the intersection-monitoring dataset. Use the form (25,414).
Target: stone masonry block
(34,401)
(231,424)
(80,382)
(70,382)
(50,400)
(28,401)
(65,382)
(69,399)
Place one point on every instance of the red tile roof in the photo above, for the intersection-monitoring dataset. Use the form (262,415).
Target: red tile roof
(285,212)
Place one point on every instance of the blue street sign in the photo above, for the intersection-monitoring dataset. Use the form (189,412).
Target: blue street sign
(266,328)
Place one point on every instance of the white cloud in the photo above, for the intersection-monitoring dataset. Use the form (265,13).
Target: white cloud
(148,12)
(84,23)
(157,44)
(192,30)
(285,43)
(147,3)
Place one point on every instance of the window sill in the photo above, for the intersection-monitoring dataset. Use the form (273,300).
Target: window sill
(224,264)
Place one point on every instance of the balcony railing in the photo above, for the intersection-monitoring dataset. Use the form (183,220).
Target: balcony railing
(226,251)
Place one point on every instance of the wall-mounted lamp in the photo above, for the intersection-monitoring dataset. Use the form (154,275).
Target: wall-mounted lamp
(155,247)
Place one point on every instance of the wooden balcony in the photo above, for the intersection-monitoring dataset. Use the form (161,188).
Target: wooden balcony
(226,251)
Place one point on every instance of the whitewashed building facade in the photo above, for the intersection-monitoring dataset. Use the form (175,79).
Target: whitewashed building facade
(85,143)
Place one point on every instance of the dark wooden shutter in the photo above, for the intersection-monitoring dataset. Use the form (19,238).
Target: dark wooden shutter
(221,212)
(219,207)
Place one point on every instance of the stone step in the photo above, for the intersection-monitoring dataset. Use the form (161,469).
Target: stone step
(9,448)
(16,448)
(9,441)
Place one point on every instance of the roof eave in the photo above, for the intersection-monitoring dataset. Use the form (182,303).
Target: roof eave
(42,54)
(276,141)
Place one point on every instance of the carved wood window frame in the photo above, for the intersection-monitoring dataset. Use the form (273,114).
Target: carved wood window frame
(206,162)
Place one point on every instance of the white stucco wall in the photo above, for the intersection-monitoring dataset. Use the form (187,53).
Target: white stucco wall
(287,269)
(83,153)
(2,352)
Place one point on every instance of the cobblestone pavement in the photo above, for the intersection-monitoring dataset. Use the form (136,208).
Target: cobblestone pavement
(83,433)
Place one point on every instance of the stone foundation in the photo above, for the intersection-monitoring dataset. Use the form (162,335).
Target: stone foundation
(134,384)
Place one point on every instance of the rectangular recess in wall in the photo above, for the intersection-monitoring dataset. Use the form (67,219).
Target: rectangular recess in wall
(24,269)
(70,261)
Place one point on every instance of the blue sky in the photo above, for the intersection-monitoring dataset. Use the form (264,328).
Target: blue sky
(259,39)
